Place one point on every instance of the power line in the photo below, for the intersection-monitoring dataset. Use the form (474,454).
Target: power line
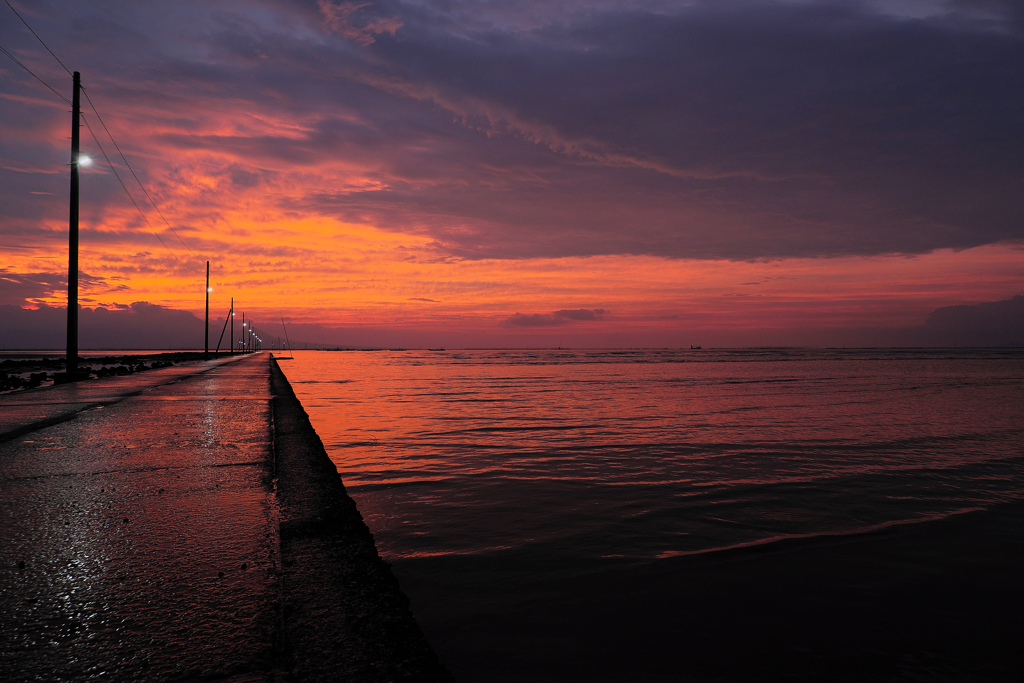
(134,175)
(125,188)
(116,146)
(16,61)
(104,153)
(37,37)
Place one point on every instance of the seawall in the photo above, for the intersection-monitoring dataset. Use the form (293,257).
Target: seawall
(345,617)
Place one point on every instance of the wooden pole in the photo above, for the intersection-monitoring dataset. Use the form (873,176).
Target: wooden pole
(71,362)
(221,338)
(206,336)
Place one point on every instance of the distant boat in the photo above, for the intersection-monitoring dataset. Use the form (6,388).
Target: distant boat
(695,348)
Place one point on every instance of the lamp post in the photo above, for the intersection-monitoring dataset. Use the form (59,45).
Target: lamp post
(206,336)
(232,326)
(71,362)
(71,372)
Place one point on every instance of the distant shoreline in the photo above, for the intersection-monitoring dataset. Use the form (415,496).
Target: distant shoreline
(24,370)
(91,353)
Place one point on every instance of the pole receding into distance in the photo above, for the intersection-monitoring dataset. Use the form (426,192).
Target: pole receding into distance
(71,363)
(287,340)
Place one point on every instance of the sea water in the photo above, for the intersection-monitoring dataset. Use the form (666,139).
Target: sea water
(493,480)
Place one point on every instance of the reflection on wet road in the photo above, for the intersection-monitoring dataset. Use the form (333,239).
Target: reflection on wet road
(138,531)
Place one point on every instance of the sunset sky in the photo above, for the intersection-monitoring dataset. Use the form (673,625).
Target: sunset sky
(523,172)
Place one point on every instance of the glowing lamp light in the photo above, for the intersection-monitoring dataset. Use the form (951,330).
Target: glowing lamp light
(209,289)
(84,160)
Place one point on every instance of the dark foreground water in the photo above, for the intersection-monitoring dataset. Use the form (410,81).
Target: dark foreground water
(672,515)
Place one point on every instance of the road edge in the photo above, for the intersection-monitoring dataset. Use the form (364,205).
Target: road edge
(344,616)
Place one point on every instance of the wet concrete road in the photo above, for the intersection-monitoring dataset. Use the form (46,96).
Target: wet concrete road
(138,527)
(185,524)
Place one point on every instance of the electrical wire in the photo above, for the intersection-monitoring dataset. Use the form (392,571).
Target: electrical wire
(112,140)
(16,61)
(102,151)
(125,188)
(144,190)
(37,36)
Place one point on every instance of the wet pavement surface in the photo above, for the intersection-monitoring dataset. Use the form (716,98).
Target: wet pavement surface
(185,524)
(139,527)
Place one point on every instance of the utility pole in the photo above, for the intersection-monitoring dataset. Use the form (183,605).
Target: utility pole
(71,363)
(206,337)
(287,340)
(232,326)
(242,340)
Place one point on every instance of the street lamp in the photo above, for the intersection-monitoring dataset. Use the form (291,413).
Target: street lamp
(71,362)
(206,337)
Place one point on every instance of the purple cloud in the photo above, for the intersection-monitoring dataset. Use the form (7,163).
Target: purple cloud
(581,314)
(140,326)
(562,317)
(735,130)
(994,323)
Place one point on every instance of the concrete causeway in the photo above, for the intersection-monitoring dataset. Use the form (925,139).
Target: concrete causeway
(185,524)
